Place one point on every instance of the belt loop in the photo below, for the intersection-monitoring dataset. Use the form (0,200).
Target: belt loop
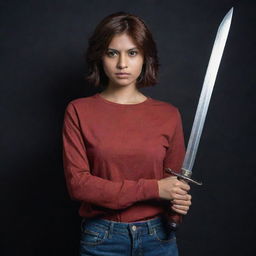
(111,227)
(150,228)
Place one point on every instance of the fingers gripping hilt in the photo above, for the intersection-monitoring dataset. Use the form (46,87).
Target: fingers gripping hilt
(184,175)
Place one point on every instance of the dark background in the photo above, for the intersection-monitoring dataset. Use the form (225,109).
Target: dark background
(42,68)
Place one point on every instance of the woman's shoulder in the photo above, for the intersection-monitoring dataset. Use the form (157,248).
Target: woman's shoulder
(166,110)
(81,102)
(164,104)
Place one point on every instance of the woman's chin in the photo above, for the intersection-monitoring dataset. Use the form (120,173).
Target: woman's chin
(121,82)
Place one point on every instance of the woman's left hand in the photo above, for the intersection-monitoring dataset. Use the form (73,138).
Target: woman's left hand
(181,206)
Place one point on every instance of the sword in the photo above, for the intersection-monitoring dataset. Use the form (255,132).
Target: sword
(197,127)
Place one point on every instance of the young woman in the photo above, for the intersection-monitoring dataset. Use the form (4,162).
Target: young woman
(117,144)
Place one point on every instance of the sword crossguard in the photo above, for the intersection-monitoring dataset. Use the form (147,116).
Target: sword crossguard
(185,175)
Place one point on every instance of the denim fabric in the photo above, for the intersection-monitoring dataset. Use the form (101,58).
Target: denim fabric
(110,238)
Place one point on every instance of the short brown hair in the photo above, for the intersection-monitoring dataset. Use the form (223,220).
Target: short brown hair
(117,23)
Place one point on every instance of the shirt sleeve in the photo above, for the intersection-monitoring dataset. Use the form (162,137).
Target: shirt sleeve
(83,186)
(176,152)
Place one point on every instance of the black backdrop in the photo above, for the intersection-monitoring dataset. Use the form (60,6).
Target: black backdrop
(42,67)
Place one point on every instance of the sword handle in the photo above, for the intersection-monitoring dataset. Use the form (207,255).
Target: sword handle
(175,218)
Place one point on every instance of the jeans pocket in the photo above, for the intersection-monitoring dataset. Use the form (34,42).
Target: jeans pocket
(92,234)
(164,234)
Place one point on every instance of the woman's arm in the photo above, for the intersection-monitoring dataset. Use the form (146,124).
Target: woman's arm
(176,152)
(83,186)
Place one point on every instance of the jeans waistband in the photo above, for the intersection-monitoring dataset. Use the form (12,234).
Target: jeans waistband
(146,226)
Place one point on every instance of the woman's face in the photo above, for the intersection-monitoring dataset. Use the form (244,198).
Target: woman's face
(122,56)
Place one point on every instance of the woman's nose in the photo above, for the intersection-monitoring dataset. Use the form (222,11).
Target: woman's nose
(122,62)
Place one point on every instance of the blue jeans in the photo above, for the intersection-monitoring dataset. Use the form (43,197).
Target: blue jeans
(110,238)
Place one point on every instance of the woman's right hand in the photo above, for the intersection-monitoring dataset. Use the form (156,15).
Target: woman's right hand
(171,188)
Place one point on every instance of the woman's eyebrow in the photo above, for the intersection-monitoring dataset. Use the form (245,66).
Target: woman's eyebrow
(127,50)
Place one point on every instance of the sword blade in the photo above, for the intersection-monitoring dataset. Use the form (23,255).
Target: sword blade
(206,93)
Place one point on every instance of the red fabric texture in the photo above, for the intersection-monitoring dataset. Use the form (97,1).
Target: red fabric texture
(114,154)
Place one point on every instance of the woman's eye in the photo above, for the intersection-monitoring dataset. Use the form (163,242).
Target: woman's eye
(133,53)
(111,53)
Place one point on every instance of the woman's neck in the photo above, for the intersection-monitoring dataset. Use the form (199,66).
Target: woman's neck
(123,96)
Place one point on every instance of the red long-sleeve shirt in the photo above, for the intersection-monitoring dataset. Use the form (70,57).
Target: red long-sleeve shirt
(114,154)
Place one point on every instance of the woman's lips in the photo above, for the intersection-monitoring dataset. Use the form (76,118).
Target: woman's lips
(122,74)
